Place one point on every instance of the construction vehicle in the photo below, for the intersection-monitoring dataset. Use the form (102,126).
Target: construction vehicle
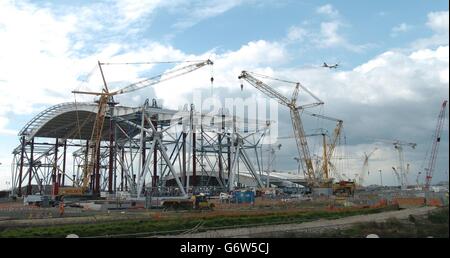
(196,202)
(300,137)
(105,100)
(344,188)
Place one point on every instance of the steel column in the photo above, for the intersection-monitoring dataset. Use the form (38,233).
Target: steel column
(183,177)
(21,166)
(111,156)
(30,167)
(194,160)
(64,163)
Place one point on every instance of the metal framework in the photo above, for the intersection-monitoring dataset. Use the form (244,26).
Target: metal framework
(143,149)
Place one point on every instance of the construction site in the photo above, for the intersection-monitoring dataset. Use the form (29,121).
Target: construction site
(98,169)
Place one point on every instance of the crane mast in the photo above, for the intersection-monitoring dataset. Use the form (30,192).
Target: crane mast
(365,166)
(334,140)
(435,147)
(105,96)
(299,133)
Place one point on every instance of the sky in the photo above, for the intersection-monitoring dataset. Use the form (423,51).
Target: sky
(392,77)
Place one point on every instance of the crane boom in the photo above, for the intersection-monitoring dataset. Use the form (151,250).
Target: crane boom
(300,137)
(336,133)
(159,78)
(435,147)
(105,95)
(302,144)
(265,88)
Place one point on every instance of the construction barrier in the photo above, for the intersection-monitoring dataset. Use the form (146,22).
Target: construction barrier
(408,202)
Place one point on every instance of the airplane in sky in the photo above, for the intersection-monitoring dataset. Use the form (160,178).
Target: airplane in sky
(330,66)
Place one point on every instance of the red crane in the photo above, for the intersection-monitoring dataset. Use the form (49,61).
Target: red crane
(435,147)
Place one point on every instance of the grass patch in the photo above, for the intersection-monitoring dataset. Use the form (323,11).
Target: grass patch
(181,224)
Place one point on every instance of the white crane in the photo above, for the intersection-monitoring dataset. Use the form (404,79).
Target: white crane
(302,144)
(365,167)
(398,145)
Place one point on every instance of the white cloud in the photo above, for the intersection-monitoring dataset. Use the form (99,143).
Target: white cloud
(438,23)
(134,10)
(402,27)
(330,36)
(201,10)
(296,33)
(227,67)
(327,9)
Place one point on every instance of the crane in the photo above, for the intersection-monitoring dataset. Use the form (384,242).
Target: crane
(397,175)
(328,154)
(302,144)
(105,98)
(365,167)
(398,145)
(435,147)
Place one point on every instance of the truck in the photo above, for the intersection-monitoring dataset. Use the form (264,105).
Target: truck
(196,202)
(344,188)
(39,200)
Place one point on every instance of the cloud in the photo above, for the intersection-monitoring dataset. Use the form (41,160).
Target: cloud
(296,33)
(327,9)
(402,27)
(331,37)
(438,23)
(326,34)
(201,10)
(134,10)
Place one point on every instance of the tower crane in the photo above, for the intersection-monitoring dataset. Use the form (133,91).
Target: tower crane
(365,167)
(435,147)
(105,98)
(398,145)
(302,144)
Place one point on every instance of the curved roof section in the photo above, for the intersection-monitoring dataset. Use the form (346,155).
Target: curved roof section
(76,120)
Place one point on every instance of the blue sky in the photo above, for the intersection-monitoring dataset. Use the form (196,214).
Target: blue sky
(393,57)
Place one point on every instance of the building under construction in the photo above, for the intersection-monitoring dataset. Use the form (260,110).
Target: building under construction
(142,148)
